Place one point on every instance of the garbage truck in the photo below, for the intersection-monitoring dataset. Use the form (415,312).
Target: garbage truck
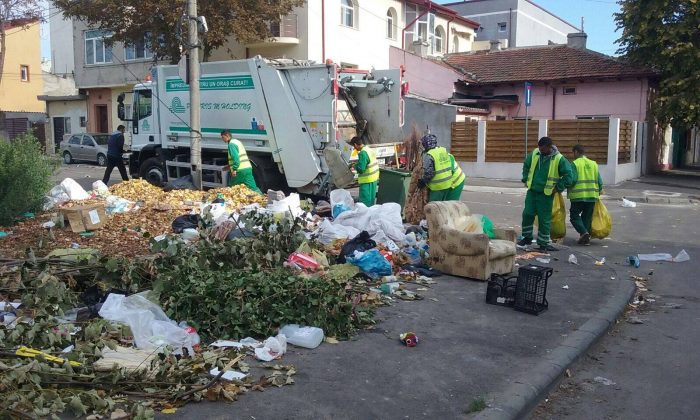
(293,117)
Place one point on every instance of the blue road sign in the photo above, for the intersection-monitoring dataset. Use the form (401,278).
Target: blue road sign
(528,93)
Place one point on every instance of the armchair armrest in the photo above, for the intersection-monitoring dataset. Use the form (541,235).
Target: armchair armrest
(505,234)
(456,242)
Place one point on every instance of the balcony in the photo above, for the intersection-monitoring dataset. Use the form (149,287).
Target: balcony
(284,32)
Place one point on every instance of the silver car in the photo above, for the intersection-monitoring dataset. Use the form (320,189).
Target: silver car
(87,147)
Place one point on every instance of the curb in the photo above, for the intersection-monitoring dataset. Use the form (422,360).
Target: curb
(524,393)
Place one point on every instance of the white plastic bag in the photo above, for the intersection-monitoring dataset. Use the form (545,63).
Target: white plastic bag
(150,325)
(629,204)
(386,217)
(74,190)
(114,204)
(341,196)
(288,204)
(100,187)
(682,257)
(308,337)
(655,257)
(272,348)
(329,232)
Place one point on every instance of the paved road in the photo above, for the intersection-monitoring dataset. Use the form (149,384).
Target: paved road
(84,174)
(655,365)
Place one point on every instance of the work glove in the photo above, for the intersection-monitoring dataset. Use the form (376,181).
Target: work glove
(421,184)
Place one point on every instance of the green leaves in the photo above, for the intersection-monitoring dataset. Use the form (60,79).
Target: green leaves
(665,35)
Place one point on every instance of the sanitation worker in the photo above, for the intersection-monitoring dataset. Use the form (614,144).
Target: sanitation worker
(545,172)
(584,193)
(437,169)
(458,179)
(367,169)
(240,169)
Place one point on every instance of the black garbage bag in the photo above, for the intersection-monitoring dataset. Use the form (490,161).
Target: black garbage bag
(361,242)
(186,221)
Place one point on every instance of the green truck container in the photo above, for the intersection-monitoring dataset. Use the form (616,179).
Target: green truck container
(393,186)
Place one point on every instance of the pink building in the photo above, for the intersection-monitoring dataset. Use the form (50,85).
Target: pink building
(568,82)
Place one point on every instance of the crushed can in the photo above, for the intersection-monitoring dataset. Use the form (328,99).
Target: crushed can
(409,339)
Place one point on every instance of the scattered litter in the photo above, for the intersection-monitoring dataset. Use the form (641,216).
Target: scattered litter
(68,349)
(634,261)
(635,320)
(600,262)
(681,257)
(604,381)
(3,234)
(48,225)
(543,260)
(128,358)
(331,340)
(409,339)
(530,255)
(308,337)
(672,306)
(573,259)
(565,287)
(389,288)
(229,375)
(227,344)
(273,348)
(628,204)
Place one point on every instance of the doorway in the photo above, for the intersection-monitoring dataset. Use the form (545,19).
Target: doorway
(102,119)
(59,129)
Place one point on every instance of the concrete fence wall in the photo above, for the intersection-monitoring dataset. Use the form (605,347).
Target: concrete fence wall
(618,162)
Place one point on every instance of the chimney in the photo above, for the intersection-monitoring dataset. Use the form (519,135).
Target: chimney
(577,40)
(495,45)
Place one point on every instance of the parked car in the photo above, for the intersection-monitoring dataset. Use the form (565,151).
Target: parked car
(88,147)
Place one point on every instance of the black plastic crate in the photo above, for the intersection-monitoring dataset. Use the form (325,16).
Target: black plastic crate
(501,290)
(531,289)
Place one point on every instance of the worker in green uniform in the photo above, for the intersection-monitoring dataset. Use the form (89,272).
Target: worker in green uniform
(240,169)
(458,179)
(584,193)
(367,169)
(437,169)
(545,171)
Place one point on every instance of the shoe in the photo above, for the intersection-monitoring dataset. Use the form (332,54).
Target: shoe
(585,239)
(524,242)
(548,248)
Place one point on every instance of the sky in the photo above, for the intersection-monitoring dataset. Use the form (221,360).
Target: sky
(599,23)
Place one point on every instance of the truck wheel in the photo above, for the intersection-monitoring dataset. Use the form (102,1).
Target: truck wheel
(67,158)
(152,171)
(101,160)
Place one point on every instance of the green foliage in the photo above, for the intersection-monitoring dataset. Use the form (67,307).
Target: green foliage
(477,404)
(242,20)
(665,35)
(25,177)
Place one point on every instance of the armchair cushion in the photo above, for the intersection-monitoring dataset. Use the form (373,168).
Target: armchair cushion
(501,249)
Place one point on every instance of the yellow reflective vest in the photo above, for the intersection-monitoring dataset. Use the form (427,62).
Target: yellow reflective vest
(553,175)
(457,175)
(371,173)
(242,156)
(586,186)
(443,169)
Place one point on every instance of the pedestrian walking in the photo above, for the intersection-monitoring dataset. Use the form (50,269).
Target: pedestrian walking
(584,193)
(437,169)
(239,167)
(545,171)
(115,149)
(367,169)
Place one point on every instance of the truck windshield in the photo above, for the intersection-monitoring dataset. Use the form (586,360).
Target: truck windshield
(143,102)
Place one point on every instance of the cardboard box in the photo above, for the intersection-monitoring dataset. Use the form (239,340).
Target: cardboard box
(85,218)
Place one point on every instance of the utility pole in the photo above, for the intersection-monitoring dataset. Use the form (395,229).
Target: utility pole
(195,107)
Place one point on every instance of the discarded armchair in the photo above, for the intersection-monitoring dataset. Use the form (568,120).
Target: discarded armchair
(471,255)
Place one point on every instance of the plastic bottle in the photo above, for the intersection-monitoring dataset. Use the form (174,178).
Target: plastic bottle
(308,337)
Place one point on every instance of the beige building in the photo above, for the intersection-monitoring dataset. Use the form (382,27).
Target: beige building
(21,82)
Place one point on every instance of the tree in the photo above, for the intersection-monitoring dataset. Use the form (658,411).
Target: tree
(665,35)
(130,20)
(10,12)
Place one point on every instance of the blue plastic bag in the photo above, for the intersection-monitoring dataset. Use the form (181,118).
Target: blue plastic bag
(372,263)
(339,209)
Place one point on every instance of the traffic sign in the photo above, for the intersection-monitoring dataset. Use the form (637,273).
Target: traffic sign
(528,93)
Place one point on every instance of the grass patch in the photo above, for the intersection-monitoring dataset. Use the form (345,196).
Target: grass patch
(477,404)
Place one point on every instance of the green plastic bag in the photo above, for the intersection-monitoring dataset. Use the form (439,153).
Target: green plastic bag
(488,226)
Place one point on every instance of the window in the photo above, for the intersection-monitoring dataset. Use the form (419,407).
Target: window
(140,50)
(144,103)
(101,139)
(83,122)
(97,50)
(455,44)
(502,27)
(423,29)
(347,13)
(438,45)
(569,90)
(75,140)
(391,23)
(24,73)
(87,141)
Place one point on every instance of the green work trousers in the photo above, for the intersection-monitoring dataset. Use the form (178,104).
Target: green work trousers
(368,193)
(455,194)
(439,195)
(581,215)
(245,177)
(538,204)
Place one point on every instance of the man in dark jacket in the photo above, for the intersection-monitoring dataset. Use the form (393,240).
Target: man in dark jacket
(115,148)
